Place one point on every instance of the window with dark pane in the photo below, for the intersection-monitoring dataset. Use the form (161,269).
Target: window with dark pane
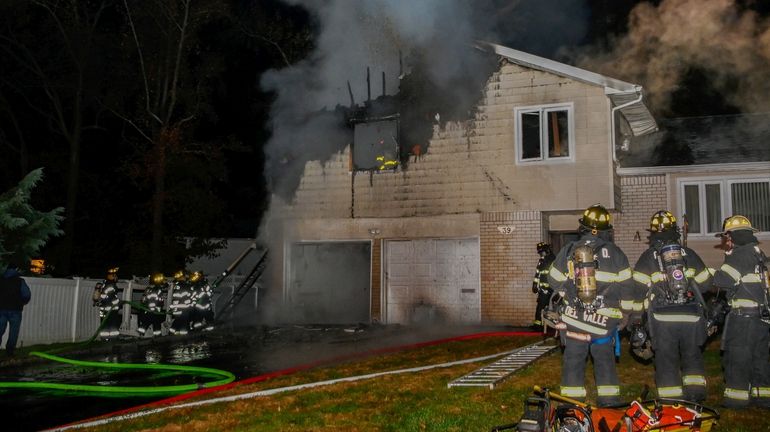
(692,207)
(714,207)
(558,133)
(530,135)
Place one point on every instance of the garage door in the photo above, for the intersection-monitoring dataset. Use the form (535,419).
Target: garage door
(330,283)
(432,280)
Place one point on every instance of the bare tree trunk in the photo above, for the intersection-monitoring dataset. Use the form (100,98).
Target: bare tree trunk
(73,178)
(158,200)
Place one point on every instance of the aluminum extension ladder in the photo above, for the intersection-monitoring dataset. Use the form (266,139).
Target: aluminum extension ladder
(493,374)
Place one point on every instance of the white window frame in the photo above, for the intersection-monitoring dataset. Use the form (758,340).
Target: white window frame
(543,109)
(725,192)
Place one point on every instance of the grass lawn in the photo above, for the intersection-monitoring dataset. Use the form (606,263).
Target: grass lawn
(416,401)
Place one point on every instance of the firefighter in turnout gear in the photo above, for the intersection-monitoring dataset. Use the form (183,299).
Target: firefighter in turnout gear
(153,299)
(744,276)
(671,279)
(181,303)
(203,311)
(540,284)
(107,298)
(593,278)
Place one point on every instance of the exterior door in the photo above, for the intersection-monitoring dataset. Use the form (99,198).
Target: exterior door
(330,282)
(432,281)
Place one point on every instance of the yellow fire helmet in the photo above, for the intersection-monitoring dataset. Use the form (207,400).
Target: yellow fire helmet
(662,221)
(157,279)
(738,222)
(112,274)
(180,276)
(597,218)
(196,276)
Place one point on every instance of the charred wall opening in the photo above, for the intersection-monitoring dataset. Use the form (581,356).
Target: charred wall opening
(403,122)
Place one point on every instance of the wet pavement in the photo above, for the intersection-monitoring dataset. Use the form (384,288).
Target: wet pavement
(244,351)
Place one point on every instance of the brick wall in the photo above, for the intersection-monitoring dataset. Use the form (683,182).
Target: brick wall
(508,262)
(641,197)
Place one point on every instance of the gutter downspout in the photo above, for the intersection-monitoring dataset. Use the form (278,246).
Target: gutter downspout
(612,141)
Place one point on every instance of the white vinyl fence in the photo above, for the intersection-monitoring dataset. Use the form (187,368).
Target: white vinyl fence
(61,310)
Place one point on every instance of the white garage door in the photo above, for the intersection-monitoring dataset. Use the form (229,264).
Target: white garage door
(432,280)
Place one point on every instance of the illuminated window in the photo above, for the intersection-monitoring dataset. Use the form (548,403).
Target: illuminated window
(375,145)
(707,201)
(544,133)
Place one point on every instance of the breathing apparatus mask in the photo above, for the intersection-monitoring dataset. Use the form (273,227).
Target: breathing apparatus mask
(671,264)
(582,270)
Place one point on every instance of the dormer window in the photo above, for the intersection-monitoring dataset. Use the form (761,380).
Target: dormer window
(545,133)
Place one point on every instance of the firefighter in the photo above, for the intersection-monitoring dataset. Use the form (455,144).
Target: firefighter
(107,298)
(540,281)
(593,277)
(202,312)
(673,279)
(152,314)
(745,337)
(181,303)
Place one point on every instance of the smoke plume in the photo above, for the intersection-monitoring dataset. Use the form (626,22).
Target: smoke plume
(727,42)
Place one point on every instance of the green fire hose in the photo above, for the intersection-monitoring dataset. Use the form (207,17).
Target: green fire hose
(224,377)
(221,377)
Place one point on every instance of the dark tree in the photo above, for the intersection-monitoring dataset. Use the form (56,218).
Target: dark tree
(23,229)
(54,72)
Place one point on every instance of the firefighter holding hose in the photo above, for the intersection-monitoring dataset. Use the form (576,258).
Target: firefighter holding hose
(106,297)
(181,303)
(673,279)
(593,278)
(152,316)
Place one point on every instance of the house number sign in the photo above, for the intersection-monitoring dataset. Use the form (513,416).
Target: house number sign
(506,229)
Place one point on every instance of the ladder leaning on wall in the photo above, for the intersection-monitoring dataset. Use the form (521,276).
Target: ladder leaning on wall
(246,284)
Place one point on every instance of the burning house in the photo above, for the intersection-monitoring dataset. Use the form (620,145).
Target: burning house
(429,214)
(432,212)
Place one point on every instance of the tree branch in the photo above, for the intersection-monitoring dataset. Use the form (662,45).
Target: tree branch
(180,47)
(141,63)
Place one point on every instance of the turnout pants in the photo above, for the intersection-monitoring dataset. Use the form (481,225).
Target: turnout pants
(111,327)
(679,371)
(149,320)
(745,361)
(181,323)
(542,303)
(573,371)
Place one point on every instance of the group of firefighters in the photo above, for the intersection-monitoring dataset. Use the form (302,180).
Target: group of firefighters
(588,292)
(189,307)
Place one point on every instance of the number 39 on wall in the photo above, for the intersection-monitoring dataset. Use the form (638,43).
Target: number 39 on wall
(506,229)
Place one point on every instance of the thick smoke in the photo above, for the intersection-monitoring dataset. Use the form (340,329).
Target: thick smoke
(353,36)
(726,42)
(395,37)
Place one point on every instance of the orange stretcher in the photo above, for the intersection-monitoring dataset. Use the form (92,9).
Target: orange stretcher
(552,412)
